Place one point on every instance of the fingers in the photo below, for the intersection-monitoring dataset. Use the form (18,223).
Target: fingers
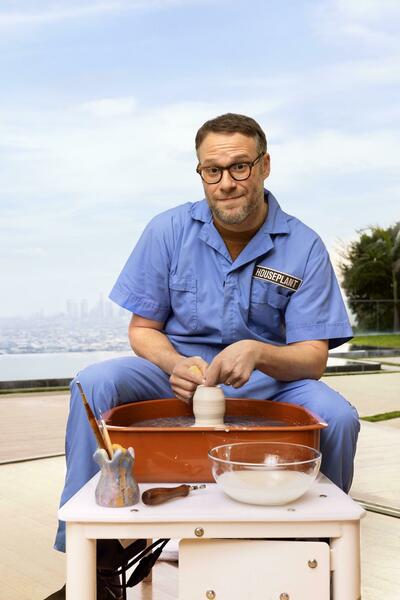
(221,371)
(212,374)
(182,389)
(187,375)
(198,368)
(179,382)
(197,373)
(191,369)
(237,381)
(182,394)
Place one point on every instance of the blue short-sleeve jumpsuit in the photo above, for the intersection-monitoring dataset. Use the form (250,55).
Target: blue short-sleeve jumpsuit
(280,289)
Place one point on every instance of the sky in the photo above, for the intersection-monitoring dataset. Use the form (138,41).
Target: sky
(100,102)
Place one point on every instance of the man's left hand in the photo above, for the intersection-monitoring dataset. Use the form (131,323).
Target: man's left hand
(234,365)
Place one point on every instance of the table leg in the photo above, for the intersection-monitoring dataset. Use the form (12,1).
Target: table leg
(149,577)
(346,563)
(81,564)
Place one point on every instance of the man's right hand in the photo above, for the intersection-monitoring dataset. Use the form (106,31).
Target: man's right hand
(185,380)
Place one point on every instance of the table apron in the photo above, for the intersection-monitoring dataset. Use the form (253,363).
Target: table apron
(331,529)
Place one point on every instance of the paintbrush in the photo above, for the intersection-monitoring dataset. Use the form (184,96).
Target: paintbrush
(106,437)
(93,422)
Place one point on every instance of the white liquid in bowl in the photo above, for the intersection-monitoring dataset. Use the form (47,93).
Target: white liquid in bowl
(265,487)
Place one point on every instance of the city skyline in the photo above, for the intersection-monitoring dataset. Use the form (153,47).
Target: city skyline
(101,102)
(80,309)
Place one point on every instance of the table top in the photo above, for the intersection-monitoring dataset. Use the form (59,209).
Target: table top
(324,501)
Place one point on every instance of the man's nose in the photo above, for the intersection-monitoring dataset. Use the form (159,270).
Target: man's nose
(227,182)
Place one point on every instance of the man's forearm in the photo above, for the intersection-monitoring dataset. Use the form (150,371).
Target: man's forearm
(154,346)
(304,360)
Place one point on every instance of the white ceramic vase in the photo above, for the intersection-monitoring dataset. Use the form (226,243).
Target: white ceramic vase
(208,406)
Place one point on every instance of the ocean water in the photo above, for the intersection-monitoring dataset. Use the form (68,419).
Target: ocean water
(62,365)
(57,365)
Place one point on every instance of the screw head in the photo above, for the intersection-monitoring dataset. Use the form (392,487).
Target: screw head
(312,563)
(210,595)
(199,532)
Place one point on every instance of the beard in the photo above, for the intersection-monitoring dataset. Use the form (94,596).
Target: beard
(234,216)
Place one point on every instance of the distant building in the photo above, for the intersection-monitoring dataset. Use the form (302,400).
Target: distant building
(84,309)
(108,311)
(72,310)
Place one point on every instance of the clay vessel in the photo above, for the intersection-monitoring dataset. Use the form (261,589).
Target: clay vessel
(116,487)
(208,406)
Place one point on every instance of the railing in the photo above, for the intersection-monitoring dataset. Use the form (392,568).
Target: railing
(374,316)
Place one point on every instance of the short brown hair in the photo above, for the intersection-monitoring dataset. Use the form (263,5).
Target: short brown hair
(233,123)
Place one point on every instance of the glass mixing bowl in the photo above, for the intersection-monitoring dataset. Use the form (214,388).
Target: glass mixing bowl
(269,473)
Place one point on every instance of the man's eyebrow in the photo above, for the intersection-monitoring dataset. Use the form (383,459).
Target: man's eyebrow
(234,160)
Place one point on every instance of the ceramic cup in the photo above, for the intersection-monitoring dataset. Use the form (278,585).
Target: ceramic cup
(208,406)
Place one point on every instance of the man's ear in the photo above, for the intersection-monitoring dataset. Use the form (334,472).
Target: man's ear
(266,165)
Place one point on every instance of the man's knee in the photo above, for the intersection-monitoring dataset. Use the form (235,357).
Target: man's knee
(121,380)
(331,406)
(100,382)
(336,410)
(112,371)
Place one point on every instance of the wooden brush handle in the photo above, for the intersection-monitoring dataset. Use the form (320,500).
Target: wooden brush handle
(159,495)
(93,421)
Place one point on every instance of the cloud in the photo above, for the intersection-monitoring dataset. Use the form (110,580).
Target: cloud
(36,13)
(373,23)
(109,107)
(334,151)
(366,10)
(88,178)
(367,23)
(117,149)
(31,252)
(323,81)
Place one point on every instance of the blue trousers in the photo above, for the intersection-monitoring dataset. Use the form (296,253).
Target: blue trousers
(129,379)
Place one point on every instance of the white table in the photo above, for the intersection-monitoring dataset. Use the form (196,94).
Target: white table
(230,550)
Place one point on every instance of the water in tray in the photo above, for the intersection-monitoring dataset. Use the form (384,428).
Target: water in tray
(230,421)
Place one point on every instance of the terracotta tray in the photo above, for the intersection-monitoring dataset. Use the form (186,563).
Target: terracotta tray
(179,454)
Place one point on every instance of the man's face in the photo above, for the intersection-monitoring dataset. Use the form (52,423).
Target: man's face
(237,203)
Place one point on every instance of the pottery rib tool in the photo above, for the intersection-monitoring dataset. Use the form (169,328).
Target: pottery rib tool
(159,495)
(93,422)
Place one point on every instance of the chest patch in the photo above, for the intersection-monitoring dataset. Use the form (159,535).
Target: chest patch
(278,277)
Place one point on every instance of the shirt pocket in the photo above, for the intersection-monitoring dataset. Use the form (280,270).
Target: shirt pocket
(183,293)
(267,310)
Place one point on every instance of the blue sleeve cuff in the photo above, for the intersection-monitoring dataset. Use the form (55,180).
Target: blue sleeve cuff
(336,333)
(139,306)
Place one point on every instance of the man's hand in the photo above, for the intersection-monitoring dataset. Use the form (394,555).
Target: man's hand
(184,380)
(234,365)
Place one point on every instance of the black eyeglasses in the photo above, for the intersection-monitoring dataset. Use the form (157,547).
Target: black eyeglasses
(238,171)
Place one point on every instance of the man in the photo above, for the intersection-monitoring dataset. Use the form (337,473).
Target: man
(239,288)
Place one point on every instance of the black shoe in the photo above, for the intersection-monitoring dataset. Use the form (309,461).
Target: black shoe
(60,595)
(113,560)
(105,591)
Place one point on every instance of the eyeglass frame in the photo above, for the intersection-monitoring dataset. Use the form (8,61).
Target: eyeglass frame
(250,164)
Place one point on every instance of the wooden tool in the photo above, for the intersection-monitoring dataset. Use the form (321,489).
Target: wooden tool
(106,438)
(93,422)
(159,495)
